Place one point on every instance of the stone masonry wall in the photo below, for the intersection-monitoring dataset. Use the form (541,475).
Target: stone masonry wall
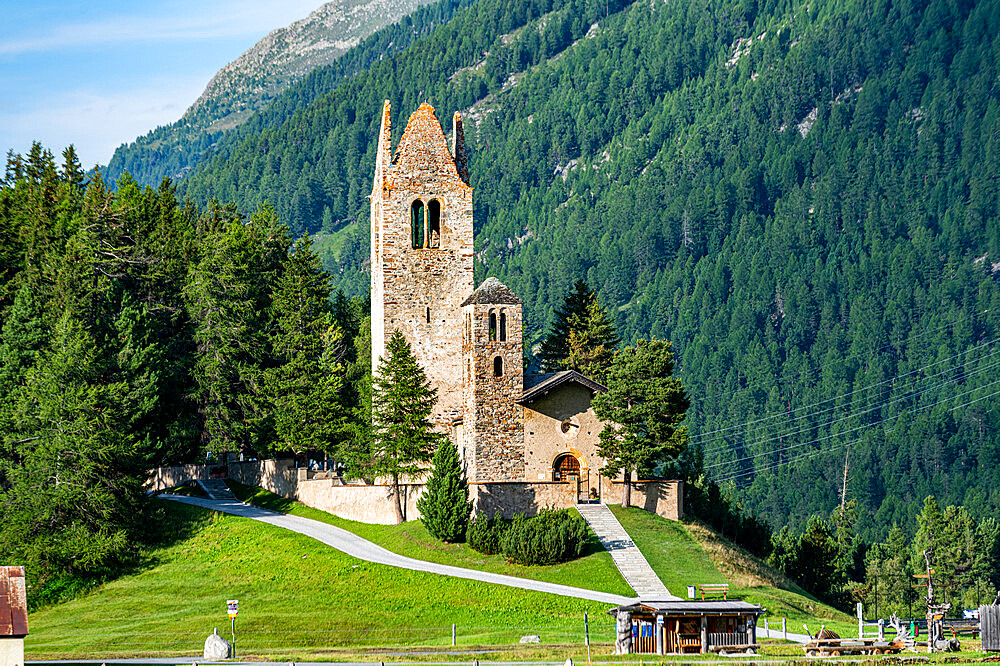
(374,503)
(664,498)
(493,421)
(420,291)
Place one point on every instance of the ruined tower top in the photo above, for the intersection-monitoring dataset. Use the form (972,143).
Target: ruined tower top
(421,252)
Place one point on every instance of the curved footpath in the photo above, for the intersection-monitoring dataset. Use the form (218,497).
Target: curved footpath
(362,549)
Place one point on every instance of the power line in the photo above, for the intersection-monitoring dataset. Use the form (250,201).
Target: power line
(699,436)
(812,454)
(885,403)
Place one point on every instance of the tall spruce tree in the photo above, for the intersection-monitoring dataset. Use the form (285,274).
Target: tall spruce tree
(642,411)
(582,337)
(403,436)
(444,506)
(305,387)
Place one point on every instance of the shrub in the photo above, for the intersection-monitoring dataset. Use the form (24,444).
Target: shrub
(548,538)
(444,506)
(485,534)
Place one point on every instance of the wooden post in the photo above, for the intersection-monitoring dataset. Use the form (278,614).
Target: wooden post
(784,627)
(753,629)
(704,634)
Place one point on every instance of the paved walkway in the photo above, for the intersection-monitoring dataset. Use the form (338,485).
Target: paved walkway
(355,546)
(778,633)
(633,566)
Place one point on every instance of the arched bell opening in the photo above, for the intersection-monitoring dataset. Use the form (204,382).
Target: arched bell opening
(417,224)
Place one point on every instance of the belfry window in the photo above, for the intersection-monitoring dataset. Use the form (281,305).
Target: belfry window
(417,223)
(503,326)
(498,367)
(434,224)
(493,326)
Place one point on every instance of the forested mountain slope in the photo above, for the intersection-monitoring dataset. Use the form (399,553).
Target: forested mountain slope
(249,83)
(802,195)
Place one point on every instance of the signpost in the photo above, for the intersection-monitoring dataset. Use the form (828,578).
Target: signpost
(233,608)
(586,635)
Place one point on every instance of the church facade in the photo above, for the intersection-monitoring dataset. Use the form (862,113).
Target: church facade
(510,428)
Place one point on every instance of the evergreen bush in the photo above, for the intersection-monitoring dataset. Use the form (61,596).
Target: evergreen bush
(444,507)
(548,538)
(485,534)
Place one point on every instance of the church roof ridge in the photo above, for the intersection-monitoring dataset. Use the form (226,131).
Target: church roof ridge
(535,386)
(492,292)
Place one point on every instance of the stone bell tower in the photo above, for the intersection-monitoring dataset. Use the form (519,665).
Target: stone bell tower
(421,250)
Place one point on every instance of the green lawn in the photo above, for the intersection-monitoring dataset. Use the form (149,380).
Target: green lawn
(680,559)
(297,597)
(594,571)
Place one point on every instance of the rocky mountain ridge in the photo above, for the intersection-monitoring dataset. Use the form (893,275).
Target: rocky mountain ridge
(249,83)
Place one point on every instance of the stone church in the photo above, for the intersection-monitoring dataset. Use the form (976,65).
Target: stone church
(509,427)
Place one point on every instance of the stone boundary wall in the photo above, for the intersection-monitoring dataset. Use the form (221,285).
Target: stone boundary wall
(664,497)
(163,478)
(374,503)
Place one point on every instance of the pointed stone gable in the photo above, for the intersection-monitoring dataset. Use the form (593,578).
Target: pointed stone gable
(423,155)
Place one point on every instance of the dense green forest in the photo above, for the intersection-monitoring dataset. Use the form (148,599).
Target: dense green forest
(137,331)
(802,196)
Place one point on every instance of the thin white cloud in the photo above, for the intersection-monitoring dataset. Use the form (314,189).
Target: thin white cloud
(221,20)
(96,123)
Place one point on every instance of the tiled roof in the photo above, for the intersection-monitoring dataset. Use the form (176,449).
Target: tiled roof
(492,292)
(536,386)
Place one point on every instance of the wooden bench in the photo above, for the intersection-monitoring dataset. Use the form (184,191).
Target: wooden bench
(714,588)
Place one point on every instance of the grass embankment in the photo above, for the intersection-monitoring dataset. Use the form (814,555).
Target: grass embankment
(689,554)
(595,570)
(298,598)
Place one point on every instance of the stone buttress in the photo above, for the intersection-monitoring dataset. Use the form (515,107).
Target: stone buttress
(421,250)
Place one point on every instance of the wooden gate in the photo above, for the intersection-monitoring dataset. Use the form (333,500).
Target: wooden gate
(989,624)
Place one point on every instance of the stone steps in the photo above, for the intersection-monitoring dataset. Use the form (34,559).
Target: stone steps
(217,489)
(627,557)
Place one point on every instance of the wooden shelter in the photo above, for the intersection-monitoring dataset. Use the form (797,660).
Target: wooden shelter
(679,627)
(13,616)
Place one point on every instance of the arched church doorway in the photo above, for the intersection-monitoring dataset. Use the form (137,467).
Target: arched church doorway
(564,467)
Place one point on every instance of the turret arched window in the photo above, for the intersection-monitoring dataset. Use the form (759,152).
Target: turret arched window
(503,326)
(434,224)
(498,367)
(493,326)
(417,224)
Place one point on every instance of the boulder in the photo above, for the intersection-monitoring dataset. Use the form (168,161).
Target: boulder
(217,647)
(530,639)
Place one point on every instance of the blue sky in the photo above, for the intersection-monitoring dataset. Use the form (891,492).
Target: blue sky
(98,74)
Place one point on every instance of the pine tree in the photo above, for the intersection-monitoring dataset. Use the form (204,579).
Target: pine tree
(641,411)
(592,341)
(403,436)
(444,507)
(305,388)
(72,492)
(582,337)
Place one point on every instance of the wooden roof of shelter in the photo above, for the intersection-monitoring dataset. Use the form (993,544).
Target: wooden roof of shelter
(680,607)
(13,602)
(536,386)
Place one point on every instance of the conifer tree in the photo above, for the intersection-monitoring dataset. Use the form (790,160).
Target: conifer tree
(582,337)
(403,436)
(642,411)
(305,387)
(444,506)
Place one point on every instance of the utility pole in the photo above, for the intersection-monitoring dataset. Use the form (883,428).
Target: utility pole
(843,490)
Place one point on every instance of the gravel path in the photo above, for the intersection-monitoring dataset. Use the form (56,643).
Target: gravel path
(355,546)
